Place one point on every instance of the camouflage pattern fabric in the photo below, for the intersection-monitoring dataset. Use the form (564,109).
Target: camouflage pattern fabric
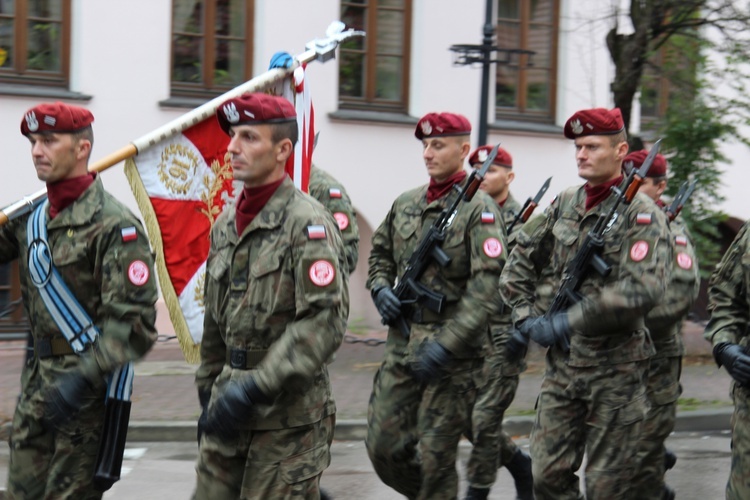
(332,195)
(665,324)
(592,398)
(413,431)
(93,258)
(729,305)
(510,210)
(278,289)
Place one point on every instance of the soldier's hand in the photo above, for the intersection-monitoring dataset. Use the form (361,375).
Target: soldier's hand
(735,361)
(234,407)
(517,344)
(432,359)
(387,303)
(547,332)
(64,399)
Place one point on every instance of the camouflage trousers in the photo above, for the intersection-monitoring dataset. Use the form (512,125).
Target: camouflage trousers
(53,463)
(738,486)
(663,390)
(278,464)
(413,430)
(491,446)
(597,410)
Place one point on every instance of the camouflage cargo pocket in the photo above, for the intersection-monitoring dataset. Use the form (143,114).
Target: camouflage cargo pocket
(667,394)
(305,465)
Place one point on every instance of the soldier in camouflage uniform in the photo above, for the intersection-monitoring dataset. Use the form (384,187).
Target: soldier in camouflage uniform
(276,308)
(727,330)
(427,383)
(332,195)
(664,323)
(492,447)
(593,396)
(101,252)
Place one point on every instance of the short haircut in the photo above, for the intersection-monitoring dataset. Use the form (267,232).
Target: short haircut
(621,136)
(285,130)
(85,133)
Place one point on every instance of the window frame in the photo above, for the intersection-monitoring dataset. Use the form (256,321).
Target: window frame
(20,75)
(208,45)
(369,102)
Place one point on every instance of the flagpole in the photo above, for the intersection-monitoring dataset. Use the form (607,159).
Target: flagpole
(319,49)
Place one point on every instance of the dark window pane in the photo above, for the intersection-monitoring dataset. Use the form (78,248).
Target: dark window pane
(391,3)
(230,62)
(7,7)
(390,32)
(505,89)
(389,75)
(351,75)
(187,59)
(508,35)
(537,90)
(188,16)
(44,47)
(508,9)
(230,18)
(354,18)
(45,8)
(540,41)
(542,11)
(6,43)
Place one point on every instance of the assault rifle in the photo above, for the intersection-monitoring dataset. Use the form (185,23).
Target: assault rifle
(528,208)
(589,254)
(680,198)
(408,288)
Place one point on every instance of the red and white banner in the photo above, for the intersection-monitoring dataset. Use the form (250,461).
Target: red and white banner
(181,185)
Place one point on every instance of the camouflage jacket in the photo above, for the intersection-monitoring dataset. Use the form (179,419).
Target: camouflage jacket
(608,324)
(476,243)
(664,321)
(728,298)
(332,195)
(277,290)
(93,256)
(510,210)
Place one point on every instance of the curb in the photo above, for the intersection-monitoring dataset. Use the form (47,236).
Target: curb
(356,429)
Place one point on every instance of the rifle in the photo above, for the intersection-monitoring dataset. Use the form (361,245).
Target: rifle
(589,253)
(529,206)
(408,288)
(679,200)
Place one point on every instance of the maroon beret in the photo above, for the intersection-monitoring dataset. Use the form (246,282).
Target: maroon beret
(658,167)
(441,125)
(480,155)
(597,121)
(55,117)
(255,108)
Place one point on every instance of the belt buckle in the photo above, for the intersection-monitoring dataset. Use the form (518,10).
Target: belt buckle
(238,358)
(43,349)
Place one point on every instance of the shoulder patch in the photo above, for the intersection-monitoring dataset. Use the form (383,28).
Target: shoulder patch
(316,232)
(680,240)
(639,250)
(334,193)
(321,273)
(129,234)
(684,261)
(643,219)
(488,218)
(492,247)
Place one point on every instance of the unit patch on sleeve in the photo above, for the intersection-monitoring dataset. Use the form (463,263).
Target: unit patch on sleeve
(316,232)
(684,261)
(321,273)
(138,273)
(342,219)
(639,250)
(492,247)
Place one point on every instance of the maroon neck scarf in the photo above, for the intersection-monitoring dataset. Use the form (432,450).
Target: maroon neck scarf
(660,203)
(251,202)
(437,190)
(597,194)
(62,194)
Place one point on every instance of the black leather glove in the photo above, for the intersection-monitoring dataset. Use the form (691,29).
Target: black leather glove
(64,398)
(735,361)
(234,407)
(431,361)
(517,344)
(387,303)
(547,332)
(204,396)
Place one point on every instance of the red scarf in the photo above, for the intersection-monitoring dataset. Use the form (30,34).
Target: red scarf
(437,190)
(660,203)
(597,194)
(502,203)
(251,202)
(62,194)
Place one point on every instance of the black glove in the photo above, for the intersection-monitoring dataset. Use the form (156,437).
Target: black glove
(431,361)
(517,344)
(234,407)
(735,361)
(65,398)
(387,303)
(204,396)
(547,332)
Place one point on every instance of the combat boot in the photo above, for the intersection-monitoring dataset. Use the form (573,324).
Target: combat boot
(669,459)
(477,493)
(519,467)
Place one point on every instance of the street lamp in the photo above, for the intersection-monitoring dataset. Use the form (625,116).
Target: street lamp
(483,54)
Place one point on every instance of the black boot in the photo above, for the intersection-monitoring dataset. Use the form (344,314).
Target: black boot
(520,468)
(477,493)
(669,459)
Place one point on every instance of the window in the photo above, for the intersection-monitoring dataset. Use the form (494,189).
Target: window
(374,70)
(669,76)
(212,46)
(35,42)
(525,85)
(13,321)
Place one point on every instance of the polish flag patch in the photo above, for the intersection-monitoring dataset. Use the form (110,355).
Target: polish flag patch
(342,220)
(129,234)
(316,232)
(138,273)
(643,219)
(639,250)
(684,260)
(680,240)
(334,193)
(488,218)
(492,247)
(321,273)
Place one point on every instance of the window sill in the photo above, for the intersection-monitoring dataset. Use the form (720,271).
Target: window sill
(41,91)
(520,126)
(373,116)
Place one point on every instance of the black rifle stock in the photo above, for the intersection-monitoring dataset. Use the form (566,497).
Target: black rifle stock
(408,288)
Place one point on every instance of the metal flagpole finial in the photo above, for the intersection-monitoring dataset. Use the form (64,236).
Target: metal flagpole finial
(324,49)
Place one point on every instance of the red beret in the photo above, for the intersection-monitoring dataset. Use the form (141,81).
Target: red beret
(597,121)
(441,125)
(480,155)
(255,108)
(55,117)
(658,167)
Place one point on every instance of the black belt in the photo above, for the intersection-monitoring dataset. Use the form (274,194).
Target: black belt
(245,359)
(50,347)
